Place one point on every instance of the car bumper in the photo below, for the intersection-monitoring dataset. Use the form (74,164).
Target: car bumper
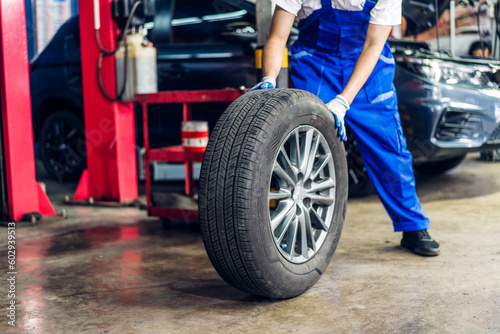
(442,121)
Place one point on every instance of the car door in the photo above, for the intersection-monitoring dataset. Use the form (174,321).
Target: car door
(204,45)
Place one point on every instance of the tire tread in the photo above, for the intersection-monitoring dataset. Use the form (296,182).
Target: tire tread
(225,184)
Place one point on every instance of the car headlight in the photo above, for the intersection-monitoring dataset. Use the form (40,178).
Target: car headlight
(450,73)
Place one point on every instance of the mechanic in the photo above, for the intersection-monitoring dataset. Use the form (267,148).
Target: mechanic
(480,49)
(343,57)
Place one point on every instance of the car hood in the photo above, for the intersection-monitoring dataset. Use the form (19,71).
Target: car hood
(63,48)
(420,15)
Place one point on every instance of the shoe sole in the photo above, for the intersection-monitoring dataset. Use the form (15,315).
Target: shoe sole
(418,251)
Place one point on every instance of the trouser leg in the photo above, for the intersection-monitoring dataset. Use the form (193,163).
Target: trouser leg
(379,136)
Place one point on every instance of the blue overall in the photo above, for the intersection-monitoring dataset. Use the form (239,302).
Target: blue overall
(323,58)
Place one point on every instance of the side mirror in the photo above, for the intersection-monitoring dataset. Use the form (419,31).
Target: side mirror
(240,32)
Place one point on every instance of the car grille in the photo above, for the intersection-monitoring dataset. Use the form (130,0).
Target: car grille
(459,125)
(494,137)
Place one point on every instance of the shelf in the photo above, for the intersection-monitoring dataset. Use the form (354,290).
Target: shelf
(174,154)
(178,153)
(217,95)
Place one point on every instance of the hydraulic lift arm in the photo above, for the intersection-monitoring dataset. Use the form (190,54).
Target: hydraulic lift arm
(109,124)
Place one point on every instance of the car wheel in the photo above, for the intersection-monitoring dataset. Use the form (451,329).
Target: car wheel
(438,167)
(359,182)
(62,145)
(273,192)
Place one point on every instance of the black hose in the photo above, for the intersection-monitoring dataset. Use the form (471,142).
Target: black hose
(125,71)
(495,35)
(479,30)
(497,27)
(127,24)
(437,23)
(105,52)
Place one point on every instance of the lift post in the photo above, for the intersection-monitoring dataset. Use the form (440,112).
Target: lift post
(111,173)
(23,194)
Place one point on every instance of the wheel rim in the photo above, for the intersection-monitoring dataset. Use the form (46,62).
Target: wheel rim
(302,194)
(61,143)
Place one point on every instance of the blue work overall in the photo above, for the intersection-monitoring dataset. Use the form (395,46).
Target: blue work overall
(323,59)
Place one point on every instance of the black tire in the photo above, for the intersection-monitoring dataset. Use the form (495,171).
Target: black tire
(235,182)
(438,167)
(62,145)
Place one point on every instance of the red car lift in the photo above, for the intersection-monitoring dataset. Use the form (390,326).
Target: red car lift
(24,194)
(111,173)
(177,153)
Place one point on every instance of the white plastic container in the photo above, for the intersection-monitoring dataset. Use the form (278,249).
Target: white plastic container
(146,71)
(194,135)
(141,68)
(120,71)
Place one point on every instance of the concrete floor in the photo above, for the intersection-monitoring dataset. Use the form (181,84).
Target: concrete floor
(117,271)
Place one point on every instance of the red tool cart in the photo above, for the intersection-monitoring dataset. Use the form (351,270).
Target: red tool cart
(177,153)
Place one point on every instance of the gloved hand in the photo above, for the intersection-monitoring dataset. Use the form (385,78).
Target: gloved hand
(339,106)
(267,82)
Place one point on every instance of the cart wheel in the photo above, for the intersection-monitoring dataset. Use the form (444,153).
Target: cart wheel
(273,192)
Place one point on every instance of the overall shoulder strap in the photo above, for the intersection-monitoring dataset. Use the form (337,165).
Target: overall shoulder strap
(326,4)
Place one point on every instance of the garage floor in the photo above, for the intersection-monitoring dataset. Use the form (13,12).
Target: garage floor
(117,271)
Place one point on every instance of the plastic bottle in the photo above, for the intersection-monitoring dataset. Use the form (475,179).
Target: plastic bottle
(141,75)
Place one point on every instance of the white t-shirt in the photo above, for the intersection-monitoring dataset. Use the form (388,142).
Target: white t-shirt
(385,12)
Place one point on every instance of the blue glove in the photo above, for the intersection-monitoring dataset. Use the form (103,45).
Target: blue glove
(267,82)
(339,106)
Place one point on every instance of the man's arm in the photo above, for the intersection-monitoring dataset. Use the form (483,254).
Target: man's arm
(272,57)
(376,36)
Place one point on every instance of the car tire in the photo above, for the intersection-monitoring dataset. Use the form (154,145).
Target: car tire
(252,177)
(359,181)
(62,145)
(438,167)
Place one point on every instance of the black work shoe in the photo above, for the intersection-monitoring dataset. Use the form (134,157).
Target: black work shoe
(421,243)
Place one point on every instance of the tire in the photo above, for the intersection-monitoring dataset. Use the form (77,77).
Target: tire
(62,145)
(237,203)
(438,167)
